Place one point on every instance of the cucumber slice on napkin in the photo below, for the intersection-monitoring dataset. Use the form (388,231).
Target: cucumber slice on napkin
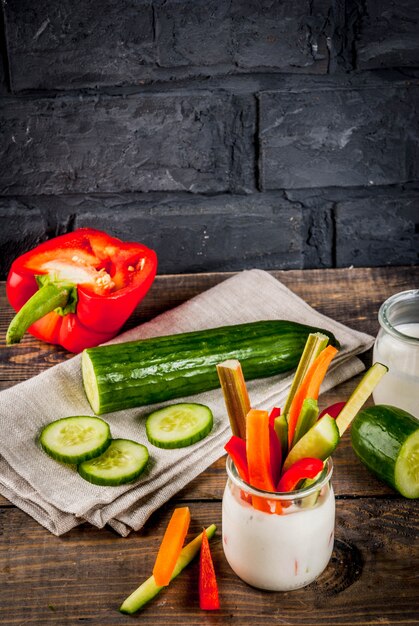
(75,439)
(122,462)
(179,425)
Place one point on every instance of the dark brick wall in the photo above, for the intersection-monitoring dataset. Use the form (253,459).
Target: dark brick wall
(226,135)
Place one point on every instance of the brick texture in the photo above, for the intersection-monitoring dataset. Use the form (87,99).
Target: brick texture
(63,45)
(377,232)
(156,142)
(338,138)
(225,135)
(388,34)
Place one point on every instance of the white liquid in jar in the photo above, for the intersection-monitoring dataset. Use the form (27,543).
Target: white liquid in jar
(400,386)
(278,552)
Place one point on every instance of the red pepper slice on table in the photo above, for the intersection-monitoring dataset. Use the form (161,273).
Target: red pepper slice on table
(302,469)
(208,588)
(77,290)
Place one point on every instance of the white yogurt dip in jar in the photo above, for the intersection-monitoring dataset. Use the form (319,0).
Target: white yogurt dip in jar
(278,551)
(397,347)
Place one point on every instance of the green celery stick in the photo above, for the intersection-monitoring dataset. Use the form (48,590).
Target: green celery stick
(307,418)
(360,395)
(316,342)
(149,589)
(281,429)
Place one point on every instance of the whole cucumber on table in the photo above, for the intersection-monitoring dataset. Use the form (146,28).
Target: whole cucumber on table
(386,439)
(147,371)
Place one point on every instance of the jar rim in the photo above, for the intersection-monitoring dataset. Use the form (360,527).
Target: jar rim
(383,314)
(324,478)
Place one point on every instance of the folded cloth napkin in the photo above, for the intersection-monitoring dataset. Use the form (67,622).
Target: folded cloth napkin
(59,499)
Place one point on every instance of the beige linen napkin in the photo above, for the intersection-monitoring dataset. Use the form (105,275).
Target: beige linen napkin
(58,498)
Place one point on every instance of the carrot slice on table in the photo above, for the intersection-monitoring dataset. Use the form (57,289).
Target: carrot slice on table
(309,388)
(171,545)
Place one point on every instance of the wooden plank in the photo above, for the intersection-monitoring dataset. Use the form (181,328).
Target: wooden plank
(328,291)
(85,575)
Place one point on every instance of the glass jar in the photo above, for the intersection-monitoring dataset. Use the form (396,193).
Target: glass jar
(288,543)
(397,346)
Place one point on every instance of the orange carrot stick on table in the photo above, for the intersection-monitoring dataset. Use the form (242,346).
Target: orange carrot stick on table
(171,545)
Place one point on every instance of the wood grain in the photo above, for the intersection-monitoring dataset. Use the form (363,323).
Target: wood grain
(84,575)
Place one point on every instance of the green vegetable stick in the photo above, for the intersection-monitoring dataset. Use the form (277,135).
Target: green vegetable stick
(316,342)
(149,589)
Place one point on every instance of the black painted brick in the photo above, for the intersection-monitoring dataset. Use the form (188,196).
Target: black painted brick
(189,233)
(155,142)
(22,227)
(68,44)
(377,231)
(71,44)
(339,138)
(247,35)
(388,34)
(223,233)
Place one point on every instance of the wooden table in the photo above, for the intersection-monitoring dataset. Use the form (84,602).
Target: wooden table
(83,576)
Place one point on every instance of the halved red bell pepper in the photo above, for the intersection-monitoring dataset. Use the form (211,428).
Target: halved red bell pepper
(302,469)
(77,290)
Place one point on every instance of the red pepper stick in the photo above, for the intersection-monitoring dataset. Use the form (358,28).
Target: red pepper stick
(275,452)
(77,290)
(208,588)
(302,469)
(333,410)
(275,412)
(236,448)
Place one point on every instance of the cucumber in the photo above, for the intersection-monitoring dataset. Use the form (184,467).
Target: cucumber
(386,440)
(319,442)
(179,425)
(149,588)
(307,418)
(122,462)
(75,439)
(360,395)
(137,373)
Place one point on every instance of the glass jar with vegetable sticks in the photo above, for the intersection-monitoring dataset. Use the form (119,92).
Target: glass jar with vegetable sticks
(278,513)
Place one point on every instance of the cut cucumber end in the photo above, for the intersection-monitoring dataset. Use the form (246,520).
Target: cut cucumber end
(75,439)
(123,462)
(179,425)
(90,382)
(406,473)
(319,442)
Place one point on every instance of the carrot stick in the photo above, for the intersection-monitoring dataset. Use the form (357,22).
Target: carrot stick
(309,388)
(171,546)
(258,450)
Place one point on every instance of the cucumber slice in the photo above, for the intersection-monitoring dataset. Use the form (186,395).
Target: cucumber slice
(121,463)
(179,425)
(319,442)
(386,440)
(75,439)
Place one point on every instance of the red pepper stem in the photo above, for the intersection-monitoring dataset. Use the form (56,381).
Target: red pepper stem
(45,300)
